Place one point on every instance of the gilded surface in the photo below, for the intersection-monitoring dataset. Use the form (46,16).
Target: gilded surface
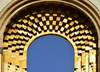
(24,30)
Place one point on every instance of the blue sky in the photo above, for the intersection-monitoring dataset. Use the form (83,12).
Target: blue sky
(50,53)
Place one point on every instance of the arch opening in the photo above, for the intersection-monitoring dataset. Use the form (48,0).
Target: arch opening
(43,19)
(50,53)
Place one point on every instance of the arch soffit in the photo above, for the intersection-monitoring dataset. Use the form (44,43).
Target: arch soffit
(14,6)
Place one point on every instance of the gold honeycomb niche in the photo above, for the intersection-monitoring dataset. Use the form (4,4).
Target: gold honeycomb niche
(48,18)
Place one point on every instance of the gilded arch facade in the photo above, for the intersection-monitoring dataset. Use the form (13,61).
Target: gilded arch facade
(24,21)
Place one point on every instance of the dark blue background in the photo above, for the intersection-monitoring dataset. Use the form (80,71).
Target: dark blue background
(50,53)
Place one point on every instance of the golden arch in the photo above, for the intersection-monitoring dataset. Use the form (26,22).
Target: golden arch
(22,30)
